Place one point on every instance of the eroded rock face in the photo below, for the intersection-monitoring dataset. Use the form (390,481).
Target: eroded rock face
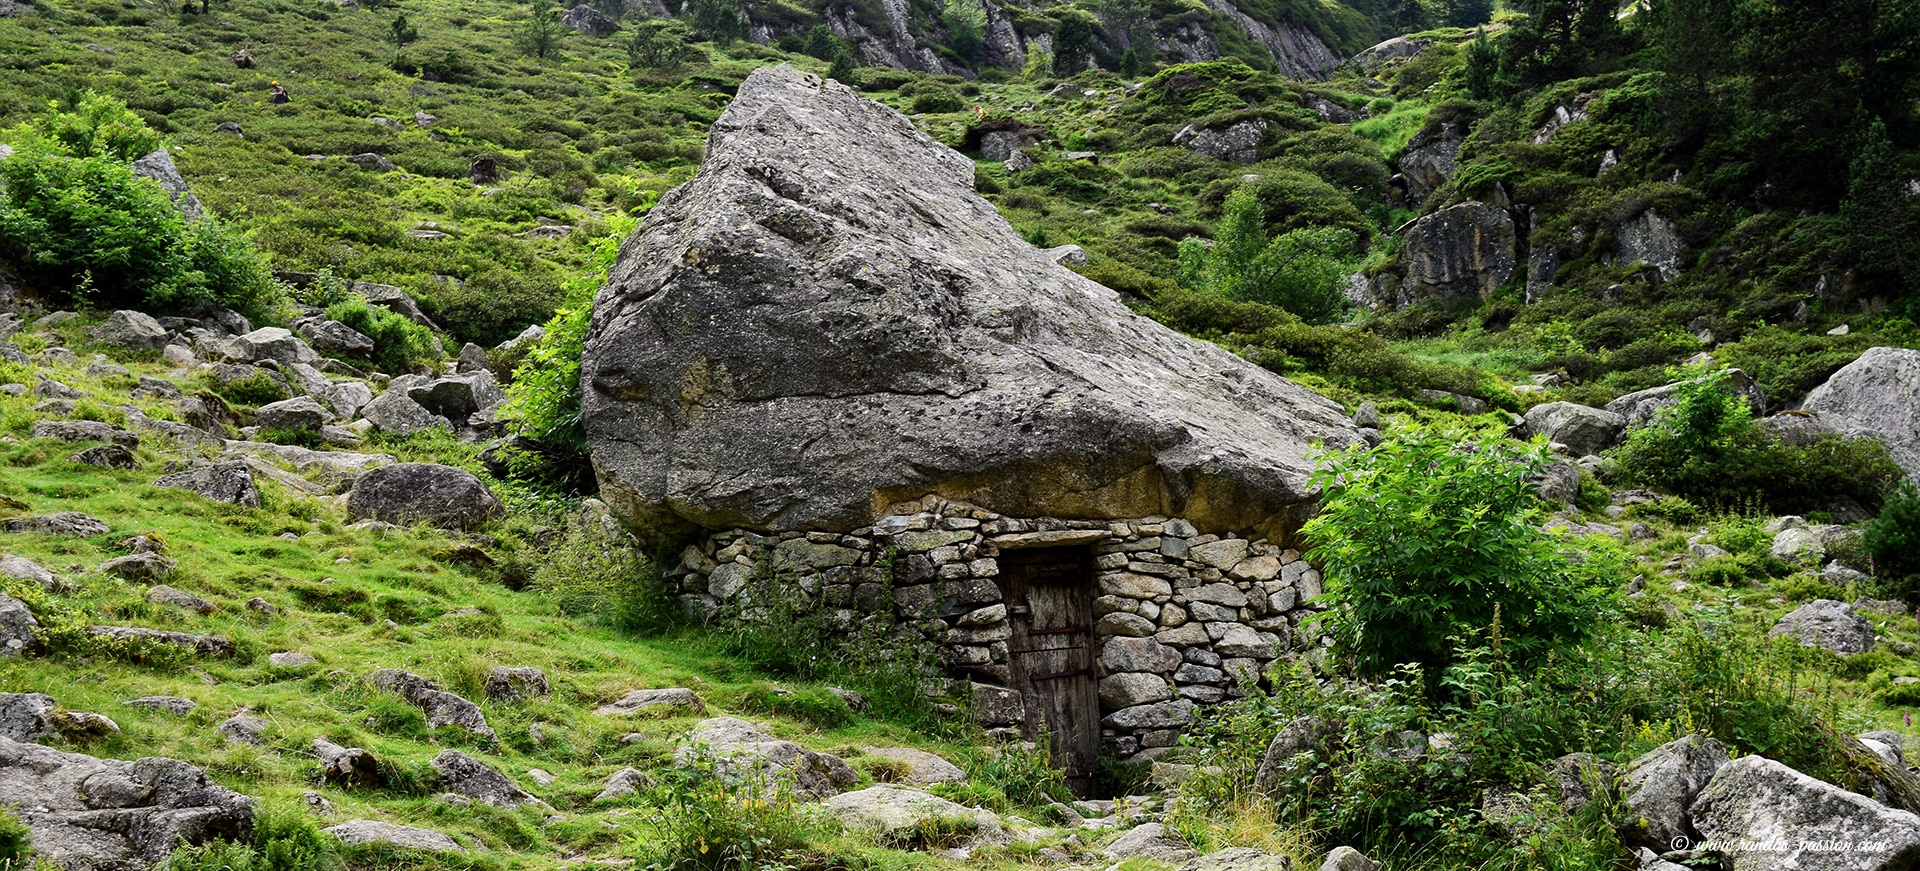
(1878,395)
(1828,624)
(1462,251)
(1660,787)
(1430,159)
(113,814)
(827,319)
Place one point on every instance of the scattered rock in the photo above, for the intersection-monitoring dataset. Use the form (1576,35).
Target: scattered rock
(346,766)
(441,707)
(923,768)
(1348,859)
(159,167)
(1583,430)
(64,523)
(84,431)
(895,814)
(301,412)
(140,567)
(1239,859)
(165,595)
(244,728)
(106,457)
(289,659)
(131,330)
(261,605)
(520,684)
(27,716)
(1828,624)
(622,783)
(1150,841)
(408,493)
(1660,786)
(465,775)
(16,628)
(636,701)
(335,337)
(204,645)
(372,162)
(174,705)
(88,813)
(21,568)
(737,744)
(357,832)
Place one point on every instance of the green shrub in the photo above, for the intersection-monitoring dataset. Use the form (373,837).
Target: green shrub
(715,817)
(1708,449)
(283,840)
(400,346)
(601,573)
(937,102)
(14,840)
(1300,271)
(1672,509)
(495,305)
(1806,588)
(85,230)
(1893,541)
(1430,537)
(814,706)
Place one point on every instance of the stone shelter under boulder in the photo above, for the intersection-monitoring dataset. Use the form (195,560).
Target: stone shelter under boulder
(825,364)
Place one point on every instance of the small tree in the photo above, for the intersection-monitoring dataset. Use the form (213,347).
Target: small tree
(1429,538)
(1300,271)
(1072,45)
(402,31)
(842,69)
(966,25)
(659,45)
(821,43)
(718,20)
(540,36)
(1893,540)
(1130,64)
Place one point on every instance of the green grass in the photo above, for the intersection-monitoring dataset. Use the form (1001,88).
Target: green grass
(1393,130)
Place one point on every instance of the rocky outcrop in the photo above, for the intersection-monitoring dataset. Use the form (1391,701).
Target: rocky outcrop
(408,493)
(1876,395)
(1430,160)
(441,707)
(895,814)
(354,833)
(131,330)
(802,335)
(1459,252)
(1829,625)
(1237,143)
(589,21)
(63,523)
(229,482)
(1399,48)
(1650,240)
(464,775)
(88,813)
(1297,52)
(1773,818)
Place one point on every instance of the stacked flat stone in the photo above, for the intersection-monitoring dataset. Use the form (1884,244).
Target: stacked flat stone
(1183,618)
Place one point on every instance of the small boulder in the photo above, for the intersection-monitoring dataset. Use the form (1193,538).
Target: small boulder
(21,568)
(202,645)
(923,768)
(895,814)
(131,330)
(91,813)
(739,746)
(84,431)
(106,457)
(16,628)
(1660,786)
(336,337)
(230,482)
(174,705)
(441,707)
(675,700)
(140,567)
(1305,734)
(464,775)
(346,766)
(27,716)
(1828,624)
(408,493)
(622,783)
(1347,859)
(355,833)
(1240,859)
(372,162)
(287,659)
(301,412)
(165,595)
(64,523)
(506,684)
(1150,841)
(1782,819)
(1582,429)
(244,728)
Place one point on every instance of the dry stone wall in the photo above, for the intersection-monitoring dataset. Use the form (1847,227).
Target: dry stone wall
(1183,617)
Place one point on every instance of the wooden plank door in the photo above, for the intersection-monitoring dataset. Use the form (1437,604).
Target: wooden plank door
(1049,596)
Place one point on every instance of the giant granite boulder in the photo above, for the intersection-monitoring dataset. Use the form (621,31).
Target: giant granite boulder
(827,319)
(1773,818)
(1878,395)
